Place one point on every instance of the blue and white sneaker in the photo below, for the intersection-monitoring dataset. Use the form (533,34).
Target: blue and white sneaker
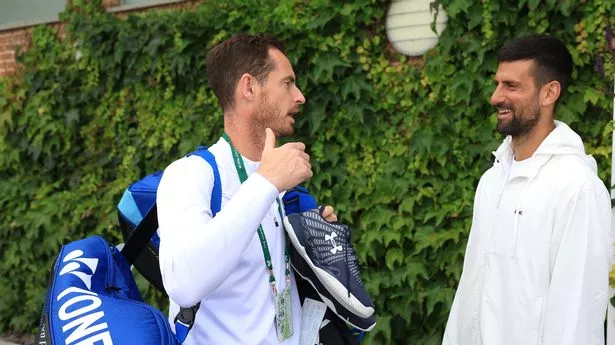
(325,257)
(303,271)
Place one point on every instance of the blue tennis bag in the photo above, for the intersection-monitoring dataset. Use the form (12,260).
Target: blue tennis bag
(92,297)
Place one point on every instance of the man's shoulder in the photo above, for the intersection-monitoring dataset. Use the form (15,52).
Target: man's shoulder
(572,176)
(493,173)
(573,171)
(195,162)
(185,173)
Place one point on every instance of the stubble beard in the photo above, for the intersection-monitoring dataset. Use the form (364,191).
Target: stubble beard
(268,117)
(520,123)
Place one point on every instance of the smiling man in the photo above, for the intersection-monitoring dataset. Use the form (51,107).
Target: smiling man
(538,257)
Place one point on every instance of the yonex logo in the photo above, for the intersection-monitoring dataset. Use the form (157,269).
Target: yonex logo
(331,238)
(75,264)
(80,314)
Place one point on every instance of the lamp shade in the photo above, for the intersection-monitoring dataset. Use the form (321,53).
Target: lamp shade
(408,26)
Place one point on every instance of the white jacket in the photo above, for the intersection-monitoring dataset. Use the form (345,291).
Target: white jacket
(538,257)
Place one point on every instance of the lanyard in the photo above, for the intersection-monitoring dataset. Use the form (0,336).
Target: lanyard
(243,176)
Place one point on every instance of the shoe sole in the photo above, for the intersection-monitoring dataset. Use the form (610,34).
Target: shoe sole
(352,304)
(331,305)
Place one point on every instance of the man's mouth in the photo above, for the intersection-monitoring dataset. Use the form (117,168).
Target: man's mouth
(504,113)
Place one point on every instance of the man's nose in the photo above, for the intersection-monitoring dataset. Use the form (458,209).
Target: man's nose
(299,97)
(496,96)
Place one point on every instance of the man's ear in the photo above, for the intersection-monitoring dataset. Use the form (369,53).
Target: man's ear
(246,86)
(550,93)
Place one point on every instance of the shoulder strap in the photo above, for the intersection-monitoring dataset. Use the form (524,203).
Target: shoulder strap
(184,320)
(142,234)
(216,193)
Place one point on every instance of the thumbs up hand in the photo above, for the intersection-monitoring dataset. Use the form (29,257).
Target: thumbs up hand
(285,166)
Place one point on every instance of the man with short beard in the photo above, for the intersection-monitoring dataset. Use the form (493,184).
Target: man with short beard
(235,264)
(538,256)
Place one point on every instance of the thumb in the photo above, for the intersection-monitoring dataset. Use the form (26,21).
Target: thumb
(269,139)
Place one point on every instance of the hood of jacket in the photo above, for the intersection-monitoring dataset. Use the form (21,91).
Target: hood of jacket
(561,141)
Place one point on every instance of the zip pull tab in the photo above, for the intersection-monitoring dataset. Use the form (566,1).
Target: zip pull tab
(500,198)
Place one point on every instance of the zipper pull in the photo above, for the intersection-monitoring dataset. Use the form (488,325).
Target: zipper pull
(500,199)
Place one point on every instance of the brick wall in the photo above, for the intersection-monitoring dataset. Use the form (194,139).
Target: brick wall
(21,37)
(9,41)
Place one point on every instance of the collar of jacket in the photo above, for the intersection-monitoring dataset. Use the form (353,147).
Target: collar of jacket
(561,141)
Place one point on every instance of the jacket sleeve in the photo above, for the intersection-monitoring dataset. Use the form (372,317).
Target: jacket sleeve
(575,306)
(198,251)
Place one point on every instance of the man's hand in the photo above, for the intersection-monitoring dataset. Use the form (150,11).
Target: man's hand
(328,214)
(285,166)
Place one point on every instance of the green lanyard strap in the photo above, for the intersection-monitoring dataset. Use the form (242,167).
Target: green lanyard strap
(243,176)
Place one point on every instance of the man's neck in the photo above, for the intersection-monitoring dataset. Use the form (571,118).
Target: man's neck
(525,145)
(247,139)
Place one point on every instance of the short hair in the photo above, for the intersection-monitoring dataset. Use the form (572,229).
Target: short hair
(552,59)
(240,54)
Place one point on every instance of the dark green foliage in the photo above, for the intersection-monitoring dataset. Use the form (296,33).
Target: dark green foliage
(397,145)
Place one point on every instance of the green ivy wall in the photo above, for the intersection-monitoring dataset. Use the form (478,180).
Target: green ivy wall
(397,144)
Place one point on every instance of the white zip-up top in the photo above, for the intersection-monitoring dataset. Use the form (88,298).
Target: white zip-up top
(219,261)
(538,257)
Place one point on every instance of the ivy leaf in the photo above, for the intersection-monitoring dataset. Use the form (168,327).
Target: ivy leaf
(475,19)
(439,295)
(457,6)
(324,67)
(316,114)
(592,95)
(354,85)
(348,9)
(321,20)
(565,7)
(393,256)
(565,114)
(391,236)
(415,271)
(532,4)
(5,118)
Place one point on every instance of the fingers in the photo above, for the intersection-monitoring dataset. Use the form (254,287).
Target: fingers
(296,145)
(305,156)
(299,147)
(269,139)
(329,214)
(326,211)
(285,166)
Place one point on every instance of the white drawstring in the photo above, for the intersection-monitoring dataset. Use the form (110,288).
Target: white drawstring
(518,212)
(503,184)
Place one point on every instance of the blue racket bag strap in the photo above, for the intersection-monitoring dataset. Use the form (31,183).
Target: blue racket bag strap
(186,316)
(216,193)
(184,321)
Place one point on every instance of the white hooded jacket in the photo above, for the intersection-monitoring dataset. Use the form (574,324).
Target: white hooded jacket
(538,257)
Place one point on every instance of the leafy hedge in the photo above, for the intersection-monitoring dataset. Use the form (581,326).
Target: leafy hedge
(397,144)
